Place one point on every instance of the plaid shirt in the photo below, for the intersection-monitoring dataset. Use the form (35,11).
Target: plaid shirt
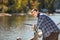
(46,25)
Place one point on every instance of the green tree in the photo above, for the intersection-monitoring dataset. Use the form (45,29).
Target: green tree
(41,4)
(49,4)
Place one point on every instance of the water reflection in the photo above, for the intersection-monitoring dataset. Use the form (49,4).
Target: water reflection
(12,27)
(13,21)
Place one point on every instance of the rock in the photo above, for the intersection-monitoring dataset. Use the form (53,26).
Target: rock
(19,39)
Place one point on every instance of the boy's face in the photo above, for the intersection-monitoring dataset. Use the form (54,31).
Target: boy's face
(34,13)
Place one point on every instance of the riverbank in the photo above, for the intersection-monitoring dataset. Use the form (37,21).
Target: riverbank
(7,14)
(22,14)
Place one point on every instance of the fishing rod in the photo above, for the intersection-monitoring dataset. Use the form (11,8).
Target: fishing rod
(58,23)
(32,24)
(35,29)
(28,24)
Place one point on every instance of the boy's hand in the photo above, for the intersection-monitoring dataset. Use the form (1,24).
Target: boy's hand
(32,27)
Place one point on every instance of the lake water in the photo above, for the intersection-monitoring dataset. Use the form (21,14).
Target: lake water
(13,27)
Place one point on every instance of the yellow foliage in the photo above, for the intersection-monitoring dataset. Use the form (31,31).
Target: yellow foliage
(34,4)
(23,2)
(20,3)
(17,4)
(46,1)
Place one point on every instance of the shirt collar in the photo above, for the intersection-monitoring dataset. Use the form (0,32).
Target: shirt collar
(43,14)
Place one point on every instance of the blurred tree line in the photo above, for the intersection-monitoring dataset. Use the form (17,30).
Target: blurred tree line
(18,6)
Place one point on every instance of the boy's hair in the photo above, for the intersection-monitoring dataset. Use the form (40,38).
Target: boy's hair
(34,10)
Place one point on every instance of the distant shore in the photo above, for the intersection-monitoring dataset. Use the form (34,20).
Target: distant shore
(21,14)
(7,14)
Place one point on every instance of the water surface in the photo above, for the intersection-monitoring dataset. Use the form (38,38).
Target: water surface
(13,27)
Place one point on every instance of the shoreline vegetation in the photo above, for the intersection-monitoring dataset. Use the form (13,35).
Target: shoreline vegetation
(18,6)
(22,14)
